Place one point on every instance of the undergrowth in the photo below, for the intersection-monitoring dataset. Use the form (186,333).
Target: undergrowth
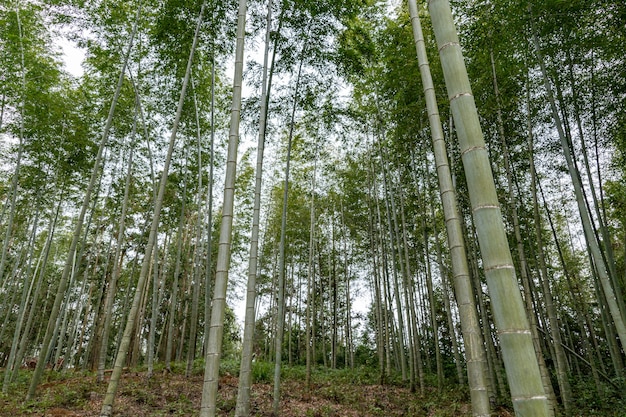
(333,392)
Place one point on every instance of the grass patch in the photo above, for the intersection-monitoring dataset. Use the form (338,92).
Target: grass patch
(262,372)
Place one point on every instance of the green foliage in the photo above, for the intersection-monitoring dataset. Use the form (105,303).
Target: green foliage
(63,390)
(179,405)
(361,375)
(227,405)
(229,366)
(356,47)
(262,372)
(294,373)
(231,341)
(590,402)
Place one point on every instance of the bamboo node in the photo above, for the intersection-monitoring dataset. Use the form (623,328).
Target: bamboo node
(530,397)
(514,331)
(459,95)
(503,266)
(447,44)
(473,148)
(486,206)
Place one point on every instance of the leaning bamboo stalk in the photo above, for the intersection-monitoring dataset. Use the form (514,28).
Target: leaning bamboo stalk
(585,217)
(107,405)
(523,374)
(79,224)
(472,336)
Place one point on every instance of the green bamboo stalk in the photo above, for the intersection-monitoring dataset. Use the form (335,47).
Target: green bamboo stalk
(245,372)
(107,405)
(472,335)
(527,393)
(214,347)
(281,260)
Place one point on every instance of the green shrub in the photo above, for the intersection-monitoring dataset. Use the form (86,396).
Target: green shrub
(229,367)
(262,372)
(296,373)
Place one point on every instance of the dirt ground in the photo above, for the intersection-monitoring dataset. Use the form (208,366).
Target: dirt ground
(167,394)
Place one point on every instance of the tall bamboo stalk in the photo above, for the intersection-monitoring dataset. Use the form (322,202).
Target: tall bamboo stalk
(281,260)
(470,325)
(245,373)
(107,405)
(310,332)
(193,327)
(214,347)
(523,374)
(95,174)
(521,252)
(561,359)
(169,345)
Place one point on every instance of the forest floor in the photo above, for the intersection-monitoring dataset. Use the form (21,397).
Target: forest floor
(334,394)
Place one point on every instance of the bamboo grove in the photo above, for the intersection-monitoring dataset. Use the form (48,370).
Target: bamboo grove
(438,195)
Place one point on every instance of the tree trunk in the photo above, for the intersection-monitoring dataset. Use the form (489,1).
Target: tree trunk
(107,405)
(527,392)
(592,242)
(60,364)
(154,310)
(524,269)
(214,348)
(245,373)
(378,309)
(334,295)
(446,302)
(349,354)
(310,333)
(177,266)
(193,326)
(433,307)
(281,260)
(561,359)
(415,355)
(470,325)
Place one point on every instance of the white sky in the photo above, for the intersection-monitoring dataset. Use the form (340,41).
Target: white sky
(73,56)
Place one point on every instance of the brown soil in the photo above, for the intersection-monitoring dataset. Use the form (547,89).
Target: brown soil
(176,395)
